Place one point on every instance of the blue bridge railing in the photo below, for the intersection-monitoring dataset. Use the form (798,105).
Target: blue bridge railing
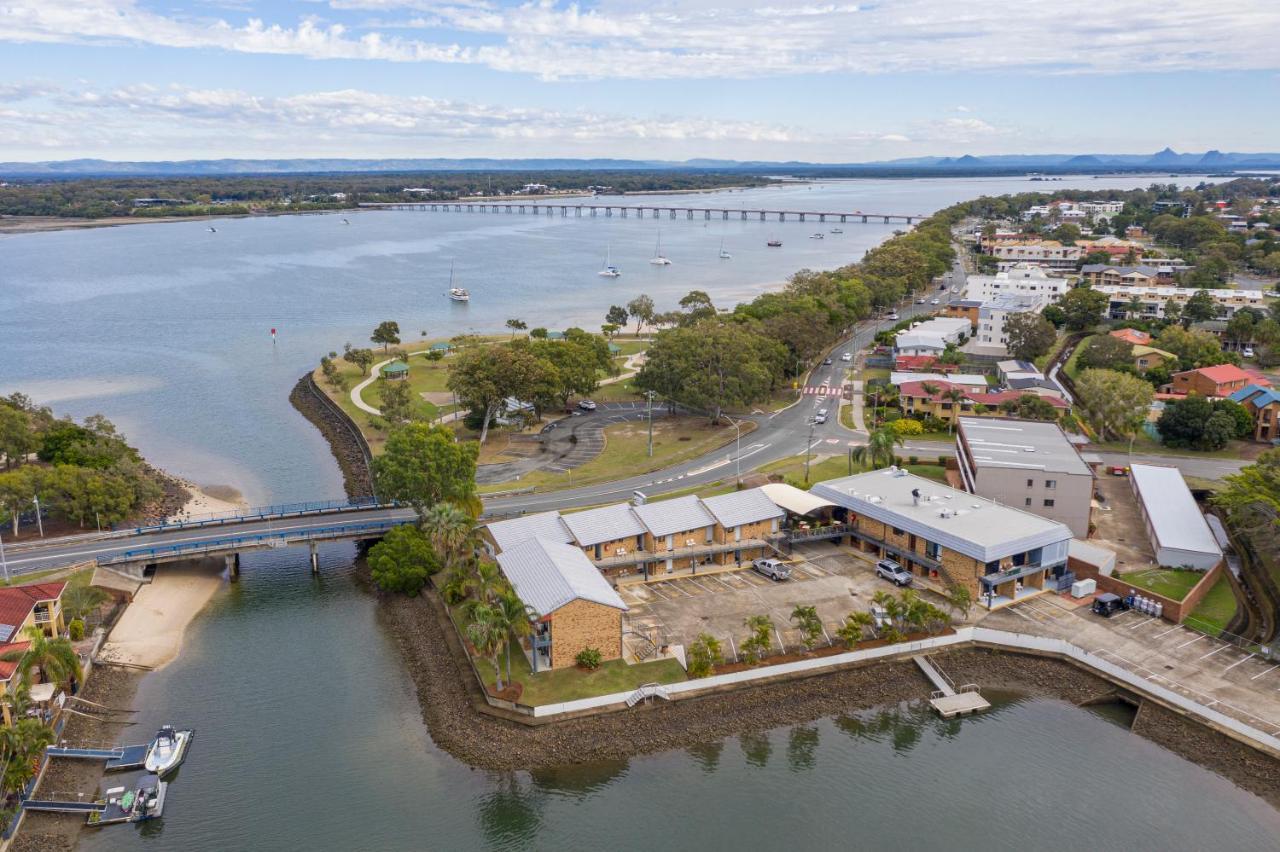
(248,540)
(262,513)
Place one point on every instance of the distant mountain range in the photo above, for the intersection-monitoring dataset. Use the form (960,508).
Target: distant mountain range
(1166,160)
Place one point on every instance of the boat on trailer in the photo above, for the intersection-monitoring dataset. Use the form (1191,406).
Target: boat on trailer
(167,750)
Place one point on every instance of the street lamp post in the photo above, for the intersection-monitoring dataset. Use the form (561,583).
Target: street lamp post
(4,563)
(737,448)
(648,395)
(39,520)
(808,450)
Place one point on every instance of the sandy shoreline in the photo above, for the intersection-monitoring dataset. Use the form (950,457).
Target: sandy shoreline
(151,630)
(208,500)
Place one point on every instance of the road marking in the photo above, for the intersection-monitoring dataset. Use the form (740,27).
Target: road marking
(1192,641)
(1217,651)
(1170,630)
(1238,662)
(726,584)
(1268,671)
(1140,623)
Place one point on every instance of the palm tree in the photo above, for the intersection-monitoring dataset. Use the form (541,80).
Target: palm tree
(15,701)
(855,627)
(487,630)
(80,600)
(485,583)
(19,744)
(449,529)
(955,396)
(519,619)
(1133,308)
(878,451)
(57,661)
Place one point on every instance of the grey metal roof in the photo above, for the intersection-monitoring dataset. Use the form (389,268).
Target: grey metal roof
(1031,445)
(742,507)
(1176,520)
(957,520)
(672,516)
(513,531)
(608,523)
(549,574)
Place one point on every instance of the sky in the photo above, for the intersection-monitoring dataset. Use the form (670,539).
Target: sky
(652,79)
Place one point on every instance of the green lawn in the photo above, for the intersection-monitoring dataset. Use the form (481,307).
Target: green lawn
(569,684)
(1164,581)
(1217,609)
(1144,444)
(1070,366)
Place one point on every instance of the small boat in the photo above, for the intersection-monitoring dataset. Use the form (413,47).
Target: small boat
(659,259)
(167,750)
(837,230)
(458,294)
(213,230)
(724,255)
(145,801)
(817,236)
(346,222)
(609,270)
(774,243)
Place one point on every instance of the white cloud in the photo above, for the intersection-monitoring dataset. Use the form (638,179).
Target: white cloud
(703,38)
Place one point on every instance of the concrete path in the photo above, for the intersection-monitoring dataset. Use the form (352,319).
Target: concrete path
(356,391)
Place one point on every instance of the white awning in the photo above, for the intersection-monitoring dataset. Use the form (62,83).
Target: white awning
(793,499)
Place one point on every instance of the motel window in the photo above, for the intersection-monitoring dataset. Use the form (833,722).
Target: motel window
(993,566)
(1030,482)
(897,531)
(1048,503)
(932,550)
(1051,483)
(1027,502)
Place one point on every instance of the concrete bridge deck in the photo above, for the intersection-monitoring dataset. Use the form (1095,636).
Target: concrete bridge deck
(577,210)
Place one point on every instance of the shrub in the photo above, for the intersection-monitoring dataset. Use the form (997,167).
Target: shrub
(907,427)
(913,460)
(403,560)
(704,655)
(589,659)
(76,629)
(942,460)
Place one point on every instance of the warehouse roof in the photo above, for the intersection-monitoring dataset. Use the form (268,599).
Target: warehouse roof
(1176,521)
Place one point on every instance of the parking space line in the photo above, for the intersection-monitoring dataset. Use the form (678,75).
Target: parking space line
(1170,630)
(1217,651)
(700,586)
(1238,662)
(722,582)
(682,591)
(1268,671)
(1193,641)
(1140,623)
(653,587)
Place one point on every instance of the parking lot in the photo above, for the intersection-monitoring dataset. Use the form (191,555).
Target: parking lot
(835,581)
(1208,670)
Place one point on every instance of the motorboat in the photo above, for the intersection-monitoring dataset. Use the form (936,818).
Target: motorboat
(167,750)
(817,236)
(773,243)
(659,259)
(144,801)
(837,230)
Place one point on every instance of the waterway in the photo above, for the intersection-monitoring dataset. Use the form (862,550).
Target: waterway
(309,734)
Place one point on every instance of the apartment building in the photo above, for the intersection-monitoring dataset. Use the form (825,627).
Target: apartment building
(996,311)
(1048,253)
(1020,278)
(658,538)
(1097,274)
(1028,464)
(1264,404)
(1220,381)
(1154,299)
(1000,553)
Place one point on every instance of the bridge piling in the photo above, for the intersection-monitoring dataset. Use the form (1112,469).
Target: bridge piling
(315,559)
(232,562)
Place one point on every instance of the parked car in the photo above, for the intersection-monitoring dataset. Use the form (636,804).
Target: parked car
(1108,604)
(893,315)
(827,362)
(1247,352)
(848,356)
(935,301)
(920,300)
(893,572)
(587,405)
(772,568)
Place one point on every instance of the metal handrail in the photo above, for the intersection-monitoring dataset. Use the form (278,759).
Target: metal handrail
(251,539)
(258,513)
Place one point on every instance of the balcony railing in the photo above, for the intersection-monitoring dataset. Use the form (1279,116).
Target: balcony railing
(705,548)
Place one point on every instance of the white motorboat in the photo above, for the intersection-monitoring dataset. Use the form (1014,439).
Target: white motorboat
(167,750)
(609,270)
(659,259)
(837,230)
(816,236)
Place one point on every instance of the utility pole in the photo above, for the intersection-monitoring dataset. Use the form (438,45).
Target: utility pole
(39,521)
(648,395)
(3,563)
(808,450)
(737,452)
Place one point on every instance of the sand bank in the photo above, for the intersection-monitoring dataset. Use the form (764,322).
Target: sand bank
(150,631)
(208,500)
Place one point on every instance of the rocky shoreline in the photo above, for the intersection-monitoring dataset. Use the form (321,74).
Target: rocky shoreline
(357,479)
(110,686)
(463,725)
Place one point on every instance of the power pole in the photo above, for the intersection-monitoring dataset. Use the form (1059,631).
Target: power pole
(808,451)
(648,395)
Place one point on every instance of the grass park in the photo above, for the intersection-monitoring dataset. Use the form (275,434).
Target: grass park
(572,683)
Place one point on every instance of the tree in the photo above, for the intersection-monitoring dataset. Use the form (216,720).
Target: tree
(575,369)
(878,452)
(954,396)
(1082,307)
(423,465)
(362,358)
(704,655)
(1201,307)
(1193,348)
(403,561)
(960,599)
(484,377)
(21,745)
(1173,312)
(1105,352)
(487,631)
(80,599)
(518,616)
(55,658)
(610,329)
(1201,424)
(397,401)
(17,437)
(1114,404)
(759,640)
(697,306)
(806,620)
(485,583)
(641,310)
(855,628)
(387,333)
(1054,315)
(516,325)
(1251,499)
(616,315)
(451,532)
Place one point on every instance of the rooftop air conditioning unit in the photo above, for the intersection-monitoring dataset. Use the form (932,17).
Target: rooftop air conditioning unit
(945,513)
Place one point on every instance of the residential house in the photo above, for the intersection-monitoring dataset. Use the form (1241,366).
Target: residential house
(931,337)
(1132,336)
(1029,464)
(22,608)
(1015,369)
(1264,404)
(1147,357)
(572,606)
(1214,382)
(1000,553)
(1021,278)
(933,399)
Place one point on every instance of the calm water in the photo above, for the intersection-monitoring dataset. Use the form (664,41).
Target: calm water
(309,734)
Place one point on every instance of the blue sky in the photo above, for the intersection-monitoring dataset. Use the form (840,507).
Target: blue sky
(773,79)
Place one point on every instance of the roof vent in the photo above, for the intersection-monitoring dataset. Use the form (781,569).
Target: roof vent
(975,505)
(945,513)
(1029,450)
(875,499)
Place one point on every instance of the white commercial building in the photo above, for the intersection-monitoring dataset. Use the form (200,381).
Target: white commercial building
(994,313)
(931,337)
(1178,531)
(1019,278)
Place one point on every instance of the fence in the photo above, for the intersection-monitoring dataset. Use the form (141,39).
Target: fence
(258,513)
(252,540)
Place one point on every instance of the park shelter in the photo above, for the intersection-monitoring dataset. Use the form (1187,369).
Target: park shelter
(395,371)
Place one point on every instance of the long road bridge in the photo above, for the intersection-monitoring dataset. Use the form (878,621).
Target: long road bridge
(654,211)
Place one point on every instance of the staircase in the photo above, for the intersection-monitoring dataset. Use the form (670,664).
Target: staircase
(647,692)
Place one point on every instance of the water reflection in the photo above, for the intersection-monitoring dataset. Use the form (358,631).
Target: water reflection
(757,747)
(580,779)
(802,746)
(707,755)
(510,814)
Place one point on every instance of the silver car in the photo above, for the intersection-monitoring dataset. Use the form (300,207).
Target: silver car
(893,572)
(772,568)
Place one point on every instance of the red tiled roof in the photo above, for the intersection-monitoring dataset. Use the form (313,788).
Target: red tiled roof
(1132,335)
(1256,377)
(1221,374)
(914,362)
(8,667)
(916,390)
(16,602)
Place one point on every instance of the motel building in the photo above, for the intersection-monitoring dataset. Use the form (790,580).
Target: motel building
(999,553)
(639,541)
